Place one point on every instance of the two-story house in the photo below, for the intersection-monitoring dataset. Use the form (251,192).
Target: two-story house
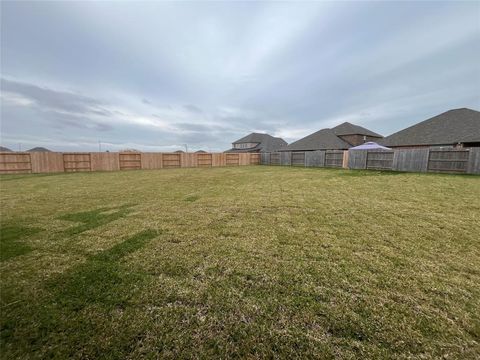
(256,142)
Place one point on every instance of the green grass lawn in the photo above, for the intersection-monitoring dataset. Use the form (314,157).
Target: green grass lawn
(240,262)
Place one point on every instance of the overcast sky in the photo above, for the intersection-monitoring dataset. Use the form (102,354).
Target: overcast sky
(154,76)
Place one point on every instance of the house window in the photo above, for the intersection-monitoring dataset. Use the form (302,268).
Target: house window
(245,145)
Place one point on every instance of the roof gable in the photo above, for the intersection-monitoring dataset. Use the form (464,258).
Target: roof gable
(324,139)
(265,142)
(252,138)
(351,129)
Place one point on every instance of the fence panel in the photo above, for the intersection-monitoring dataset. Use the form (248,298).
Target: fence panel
(105,161)
(244,159)
(315,158)
(286,158)
(151,160)
(334,158)
(188,160)
(77,162)
(171,161)
(275,158)
(12,163)
(357,159)
(130,161)
(219,159)
(204,160)
(379,160)
(46,162)
(474,161)
(450,161)
(254,159)
(414,160)
(298,158)
(265,158)
(232,159)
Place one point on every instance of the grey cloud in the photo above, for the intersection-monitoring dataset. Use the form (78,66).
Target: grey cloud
(193,127)
(68,120)
(193,108)
(281,67)
(55,100)
(62,109)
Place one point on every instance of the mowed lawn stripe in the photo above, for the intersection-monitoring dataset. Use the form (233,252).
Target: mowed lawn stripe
(241,262)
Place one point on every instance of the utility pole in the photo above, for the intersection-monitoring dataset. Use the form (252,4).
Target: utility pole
(186,148)
(99,146)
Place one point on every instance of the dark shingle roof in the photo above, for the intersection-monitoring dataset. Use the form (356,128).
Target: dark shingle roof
(266,142)
(38,149)
(4,149)
(253,138)
(252,149)
(450,127)
(324,139)
(350,129)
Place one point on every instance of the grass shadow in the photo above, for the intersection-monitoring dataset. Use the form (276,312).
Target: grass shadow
(191,198)
(92,219)
(100,279)
(11,241)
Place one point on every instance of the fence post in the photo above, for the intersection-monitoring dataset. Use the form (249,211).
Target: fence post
(265,158)
(474,161)
(345,159)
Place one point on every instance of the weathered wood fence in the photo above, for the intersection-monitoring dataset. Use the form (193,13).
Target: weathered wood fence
(460,161)
(48,162)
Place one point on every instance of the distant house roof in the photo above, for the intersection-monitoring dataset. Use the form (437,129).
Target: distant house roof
(350,129)
(330,139)
(265,142)
(129,150)
(324,139)
(4,149)
(38,149)
(200,152)
(451,127)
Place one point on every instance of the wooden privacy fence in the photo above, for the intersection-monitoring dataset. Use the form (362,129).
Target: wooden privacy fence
(320,158)
(298,158)
(20,163)
(77,162)
(275,159)
(204,160)
(130,161)
(47,162)
(334,158)
(461,161)
(448,161)
(379,160)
